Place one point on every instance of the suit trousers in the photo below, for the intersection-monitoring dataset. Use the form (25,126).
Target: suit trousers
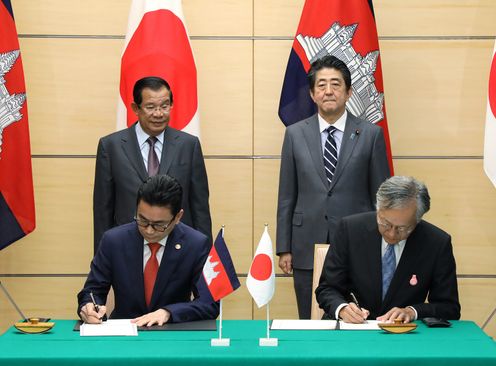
(303,279)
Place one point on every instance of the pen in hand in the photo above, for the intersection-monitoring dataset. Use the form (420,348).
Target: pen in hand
(355,301)
(97,307)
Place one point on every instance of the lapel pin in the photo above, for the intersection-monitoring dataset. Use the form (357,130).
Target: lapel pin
(413,280)
(177,246)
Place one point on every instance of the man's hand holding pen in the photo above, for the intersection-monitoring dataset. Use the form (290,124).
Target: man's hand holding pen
(93,313)
(353,313)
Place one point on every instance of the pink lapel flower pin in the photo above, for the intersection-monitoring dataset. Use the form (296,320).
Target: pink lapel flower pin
(413,280)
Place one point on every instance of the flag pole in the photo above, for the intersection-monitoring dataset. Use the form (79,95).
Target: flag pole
(268,342)
(220,319)
(220,342)
(268,327)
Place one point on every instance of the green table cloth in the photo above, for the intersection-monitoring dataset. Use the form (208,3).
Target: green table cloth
(462,344)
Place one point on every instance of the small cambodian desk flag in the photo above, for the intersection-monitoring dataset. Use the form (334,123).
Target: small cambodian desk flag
(219,274)
(261,279)
(157,44)
(490,135)
(345,29)
(17,213)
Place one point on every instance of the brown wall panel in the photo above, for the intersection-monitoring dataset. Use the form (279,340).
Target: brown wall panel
(219,18)
(231,197)
(270,59)
(92,17)
(276,17)
(435,95)
(72,87)
(63,239)
(478,301)
(225,96)
(238,304)
(463,204)
(266,185)
(435,17)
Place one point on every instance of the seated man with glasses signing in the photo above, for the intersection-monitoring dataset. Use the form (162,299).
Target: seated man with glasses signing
(384,265)
(153,264)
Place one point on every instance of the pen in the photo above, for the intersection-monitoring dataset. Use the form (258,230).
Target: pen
(354,299)
(97,308)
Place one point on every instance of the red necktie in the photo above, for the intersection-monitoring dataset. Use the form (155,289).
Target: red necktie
(150,273)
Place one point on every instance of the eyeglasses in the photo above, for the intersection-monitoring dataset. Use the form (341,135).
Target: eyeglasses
(150,109)
(401,230)
(155,225)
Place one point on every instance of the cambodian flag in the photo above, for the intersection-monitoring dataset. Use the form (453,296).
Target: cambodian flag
(157,44)
(17,214)
(219,274)
(345,29)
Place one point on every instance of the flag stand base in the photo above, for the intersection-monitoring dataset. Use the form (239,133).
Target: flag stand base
(268,342)
(220,342)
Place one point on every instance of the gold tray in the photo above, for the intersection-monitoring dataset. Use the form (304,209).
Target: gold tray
(33,326)
(398,327)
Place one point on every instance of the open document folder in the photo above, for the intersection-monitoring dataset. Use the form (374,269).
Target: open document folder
(291,324)
(111,327)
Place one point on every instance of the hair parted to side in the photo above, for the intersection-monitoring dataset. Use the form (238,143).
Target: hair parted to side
(151,82)
(399,191)
(329,62)
(163,191)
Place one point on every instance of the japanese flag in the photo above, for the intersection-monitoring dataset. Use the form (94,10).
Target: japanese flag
(261,278)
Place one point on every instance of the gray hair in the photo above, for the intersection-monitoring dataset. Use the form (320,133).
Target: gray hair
(399,191)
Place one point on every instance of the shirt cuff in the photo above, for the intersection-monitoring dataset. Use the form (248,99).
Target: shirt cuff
(336,314)
(415,311)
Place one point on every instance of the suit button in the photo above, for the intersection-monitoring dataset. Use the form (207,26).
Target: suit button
(325,217)
(329,193)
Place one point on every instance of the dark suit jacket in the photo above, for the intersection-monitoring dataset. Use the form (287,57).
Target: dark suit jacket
(120,171)
(119,263)
(308,207)
(353,264)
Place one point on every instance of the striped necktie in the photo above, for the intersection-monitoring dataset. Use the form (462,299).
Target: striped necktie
(330,154)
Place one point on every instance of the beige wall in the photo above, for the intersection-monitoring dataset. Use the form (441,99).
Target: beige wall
(435,57)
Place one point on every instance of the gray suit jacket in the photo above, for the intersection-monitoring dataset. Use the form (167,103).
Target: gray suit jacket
(308,207)
(120,170)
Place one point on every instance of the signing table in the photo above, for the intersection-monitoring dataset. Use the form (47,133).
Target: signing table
(462,344)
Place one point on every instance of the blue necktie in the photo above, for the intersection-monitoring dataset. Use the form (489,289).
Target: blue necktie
(330,154)
(388,268)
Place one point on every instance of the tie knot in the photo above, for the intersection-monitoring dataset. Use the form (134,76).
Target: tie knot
(389,248)
(154,247)
(331,129)
(151,141)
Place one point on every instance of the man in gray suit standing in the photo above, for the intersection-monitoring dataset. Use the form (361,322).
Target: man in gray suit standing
(331,166)
(126,158)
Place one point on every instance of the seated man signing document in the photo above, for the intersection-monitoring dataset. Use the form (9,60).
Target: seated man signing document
(384,265)
(153,263)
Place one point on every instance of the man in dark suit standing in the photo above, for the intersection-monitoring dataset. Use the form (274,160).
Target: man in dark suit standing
(153,264)
(128,157)
(391,261)
(331,166)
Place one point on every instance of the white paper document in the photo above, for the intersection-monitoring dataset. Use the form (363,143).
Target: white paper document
(112,327)
(291,324)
